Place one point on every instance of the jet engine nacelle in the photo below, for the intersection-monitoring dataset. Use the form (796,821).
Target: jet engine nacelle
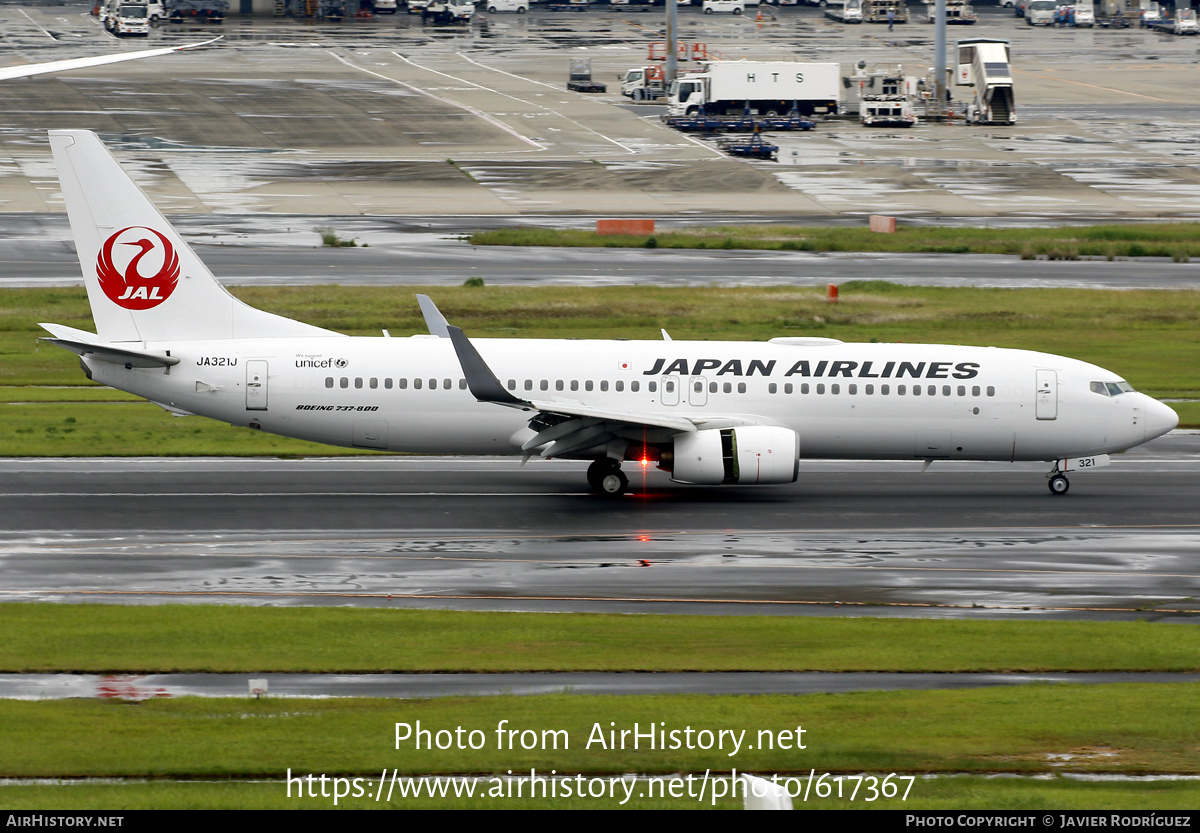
(746,454)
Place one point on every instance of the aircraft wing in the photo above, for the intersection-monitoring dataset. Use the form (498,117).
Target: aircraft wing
(563,426)
(27,70)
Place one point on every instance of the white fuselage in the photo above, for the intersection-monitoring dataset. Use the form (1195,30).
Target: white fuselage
(843,400)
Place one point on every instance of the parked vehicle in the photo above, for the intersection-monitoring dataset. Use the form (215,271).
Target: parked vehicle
(518,6)
(644,83)
(724,6)
(580,79)
(767,88)
(1083,14)
(212,11)
(849,12)
(876,11)
(1041,12)
(126,18)
(449,11)
(383,6)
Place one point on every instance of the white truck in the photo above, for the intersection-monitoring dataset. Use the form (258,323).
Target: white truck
(644,83)
(126,18)
(768,88)
(1040,12)
(1083,13)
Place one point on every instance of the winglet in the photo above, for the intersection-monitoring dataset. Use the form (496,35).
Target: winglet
(483,383)
(434,320)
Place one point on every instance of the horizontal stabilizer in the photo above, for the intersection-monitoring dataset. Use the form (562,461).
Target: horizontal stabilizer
(115,355)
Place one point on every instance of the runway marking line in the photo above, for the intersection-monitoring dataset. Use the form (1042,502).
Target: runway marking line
(473,111)
(1093,86)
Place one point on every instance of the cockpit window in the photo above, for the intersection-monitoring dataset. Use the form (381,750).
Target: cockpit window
(1111,388)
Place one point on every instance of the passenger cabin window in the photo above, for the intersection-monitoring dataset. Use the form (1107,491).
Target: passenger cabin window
(633,387)
(416,384)
(358,382)
(329,382)
(741,387)
(403,383)
(387,383)
(345,383)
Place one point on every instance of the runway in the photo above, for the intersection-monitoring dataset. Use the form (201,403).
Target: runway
(850,538)
(413,686)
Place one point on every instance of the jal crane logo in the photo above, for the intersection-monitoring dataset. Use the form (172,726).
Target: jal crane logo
(140,251)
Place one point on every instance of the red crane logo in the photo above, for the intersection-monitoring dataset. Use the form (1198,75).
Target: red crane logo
(130,288)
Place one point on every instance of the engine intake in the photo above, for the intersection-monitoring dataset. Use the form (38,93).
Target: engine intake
(748,454)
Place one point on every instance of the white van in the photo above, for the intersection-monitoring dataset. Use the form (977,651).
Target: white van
(724,6)
(518,6)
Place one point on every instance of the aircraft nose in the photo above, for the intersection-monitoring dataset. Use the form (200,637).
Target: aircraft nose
(1160,419)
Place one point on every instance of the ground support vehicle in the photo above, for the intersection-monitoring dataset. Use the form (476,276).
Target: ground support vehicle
(383,6)
(644,83)
(849,12)
(126,19)
(449,11)
(518,6)
(1083,14)
(724,6)
(958,13)
(212,11)
(983,64)
(580,79)
(1041,12)
(701,122)
(753,148)
(764,88)
(1183,23)
(573,6)
(876,11)
(887,111)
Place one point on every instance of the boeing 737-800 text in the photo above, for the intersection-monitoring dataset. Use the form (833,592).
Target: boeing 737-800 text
(707,412)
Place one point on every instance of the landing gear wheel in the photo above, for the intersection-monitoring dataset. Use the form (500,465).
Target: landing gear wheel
(614,483)
(1059,484)
(598,469)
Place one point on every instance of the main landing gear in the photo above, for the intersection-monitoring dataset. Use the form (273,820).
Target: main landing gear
(606,478)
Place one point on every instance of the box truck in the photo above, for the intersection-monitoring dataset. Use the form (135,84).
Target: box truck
(767,88)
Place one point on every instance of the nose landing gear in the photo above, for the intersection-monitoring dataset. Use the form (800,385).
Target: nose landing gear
(606,478)
(1058,483)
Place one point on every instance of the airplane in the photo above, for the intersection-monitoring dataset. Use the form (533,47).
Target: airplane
(27,70)
(707,412)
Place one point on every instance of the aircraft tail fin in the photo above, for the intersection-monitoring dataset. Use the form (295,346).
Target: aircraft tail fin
(143,281)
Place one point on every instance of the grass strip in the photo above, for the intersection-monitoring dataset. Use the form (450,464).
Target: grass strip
(957,793)
(213,638)
(1136,728)
(1179,241)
